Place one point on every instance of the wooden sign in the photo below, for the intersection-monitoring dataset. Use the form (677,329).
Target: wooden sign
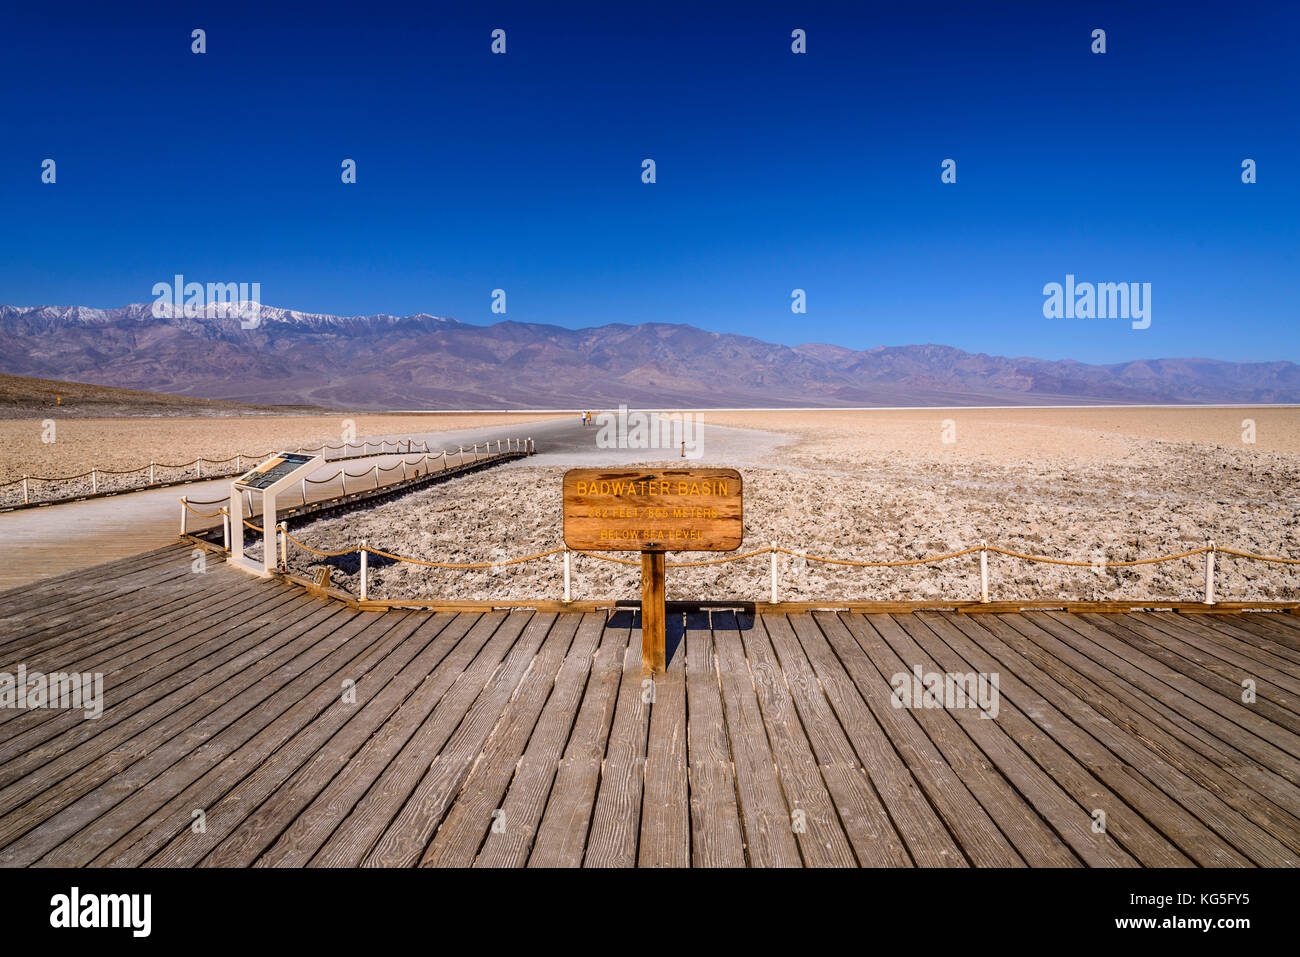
(652,512)
(665,510)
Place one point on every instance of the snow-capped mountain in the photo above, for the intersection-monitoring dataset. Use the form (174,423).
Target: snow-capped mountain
(425,361)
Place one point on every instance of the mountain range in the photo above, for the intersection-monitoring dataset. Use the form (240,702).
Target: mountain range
(430,362)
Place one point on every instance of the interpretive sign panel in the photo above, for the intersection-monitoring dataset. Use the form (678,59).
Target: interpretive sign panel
(273,469)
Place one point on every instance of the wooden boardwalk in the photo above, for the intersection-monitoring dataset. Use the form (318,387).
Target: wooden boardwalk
(247,723)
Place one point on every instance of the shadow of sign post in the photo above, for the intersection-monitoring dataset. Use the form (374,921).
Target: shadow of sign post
(653,511)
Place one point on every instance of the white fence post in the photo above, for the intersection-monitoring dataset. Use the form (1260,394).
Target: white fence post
(774,592)
(94,481)
(150,473)
(198,467)
(376,475)
(225,530)
(303,483)
(1209,575)
(984,570)
(568,571)
(184,514)
(284,546)
(26,500)
(365,571)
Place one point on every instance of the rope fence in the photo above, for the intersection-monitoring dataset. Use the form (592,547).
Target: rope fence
(983,549)
(202,467)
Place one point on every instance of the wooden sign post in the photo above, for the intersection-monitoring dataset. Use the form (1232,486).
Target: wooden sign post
(654,612)
(653,512)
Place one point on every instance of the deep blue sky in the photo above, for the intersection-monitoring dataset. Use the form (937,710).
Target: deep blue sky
(775,171)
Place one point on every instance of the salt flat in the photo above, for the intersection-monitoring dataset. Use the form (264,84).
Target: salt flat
(129,441)
(1086,484)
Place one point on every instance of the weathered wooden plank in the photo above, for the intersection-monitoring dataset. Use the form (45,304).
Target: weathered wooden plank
(262,728)
(64,622)
(1227,720)
(1045,632)
(1067,814)
(975,831)
(16,595)
(1208,675)
(105,639)
(1218,654)
(616,815)
(102,639)
(80,585)
(477,808)
(1253,791)
(1241,634)
(815,819)
(716,839)
(200,649)
(1018,817)
(1082,766)
(163,744)
(562,835)
(420,810)
(764,814)
(1285,628)
(1169,785)
(665,805)
(262,763)
(1275,633)
(875,841)
(275,803)
(100,756)
(136,679)
(927,838)
(390,753)
(526,797)
(392,824)
(92,605)
(1128,711)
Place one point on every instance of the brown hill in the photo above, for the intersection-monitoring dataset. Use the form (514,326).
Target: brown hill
(21,396)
